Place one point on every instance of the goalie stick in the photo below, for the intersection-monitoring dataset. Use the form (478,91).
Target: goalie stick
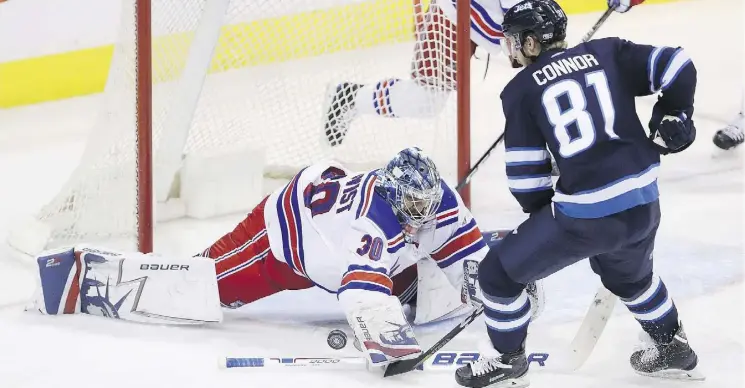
(434,359)
(467,179)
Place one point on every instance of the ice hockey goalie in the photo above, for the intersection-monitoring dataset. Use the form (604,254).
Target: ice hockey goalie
(357,235)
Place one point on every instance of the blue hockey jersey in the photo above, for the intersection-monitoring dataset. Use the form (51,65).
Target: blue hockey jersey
(579,104)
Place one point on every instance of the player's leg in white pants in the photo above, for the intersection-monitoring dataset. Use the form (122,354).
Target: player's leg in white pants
(421,96)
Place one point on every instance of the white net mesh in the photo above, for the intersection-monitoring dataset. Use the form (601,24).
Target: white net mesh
(265,89)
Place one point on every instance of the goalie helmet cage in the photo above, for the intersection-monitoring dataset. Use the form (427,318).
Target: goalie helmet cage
(209,102)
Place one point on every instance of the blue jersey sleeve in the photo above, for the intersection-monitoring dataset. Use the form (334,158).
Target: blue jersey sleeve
(527,159)
(653,69)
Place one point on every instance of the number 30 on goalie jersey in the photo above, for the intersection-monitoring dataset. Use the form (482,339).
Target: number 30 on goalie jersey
(351,239)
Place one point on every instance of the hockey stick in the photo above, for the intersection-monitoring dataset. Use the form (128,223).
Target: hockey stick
(394,368)
(399,367)
(440,361)
(488,152)
(598,24)
(433,359)
(476,166)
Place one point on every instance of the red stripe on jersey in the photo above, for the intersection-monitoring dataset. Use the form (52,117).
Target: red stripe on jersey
(367,277)
(457,243)
(367,197)
(447,214)
(292,225)
(396,240)
(477,18)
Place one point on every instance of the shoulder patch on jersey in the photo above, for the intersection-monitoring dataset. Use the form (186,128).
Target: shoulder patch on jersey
(447,213)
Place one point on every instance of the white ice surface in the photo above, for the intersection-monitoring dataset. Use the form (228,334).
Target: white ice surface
(699,250)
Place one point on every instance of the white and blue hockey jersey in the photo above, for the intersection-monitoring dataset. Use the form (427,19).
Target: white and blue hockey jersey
(330,226)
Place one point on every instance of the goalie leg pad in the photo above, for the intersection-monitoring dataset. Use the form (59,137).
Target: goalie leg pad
(128,286)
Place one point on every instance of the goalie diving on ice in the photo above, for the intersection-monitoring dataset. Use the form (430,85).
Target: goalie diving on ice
(372,238)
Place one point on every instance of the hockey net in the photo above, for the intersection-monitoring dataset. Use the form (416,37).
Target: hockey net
(238,94)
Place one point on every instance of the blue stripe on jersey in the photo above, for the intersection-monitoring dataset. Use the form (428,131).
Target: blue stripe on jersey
(462,254)
(679,60)
(291,228)
(525,161)
(448,202)
(363,193)
(357,267)
(447,222)
(396,244)
(530,183)
(382,215)
(358,277)
(283,228)
(652,67)
(447,212)
(625,193)
(520,156)
(664,66)
(484,24)
(295,205)
(365,287)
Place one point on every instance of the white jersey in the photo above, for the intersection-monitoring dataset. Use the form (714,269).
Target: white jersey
(486,21)
(330,226)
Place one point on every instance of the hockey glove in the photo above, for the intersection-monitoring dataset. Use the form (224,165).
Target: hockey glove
(623,5)
(671,132)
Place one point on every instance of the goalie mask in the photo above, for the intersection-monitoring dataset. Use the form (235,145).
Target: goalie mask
(410,183)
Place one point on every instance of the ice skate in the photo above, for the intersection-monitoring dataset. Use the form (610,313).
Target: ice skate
(674,360)
(730,136)
(507,370)
(340,111)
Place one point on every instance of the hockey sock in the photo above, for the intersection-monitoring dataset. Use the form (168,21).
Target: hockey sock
(400,98)
(655,311)
(507,307)
(507,321)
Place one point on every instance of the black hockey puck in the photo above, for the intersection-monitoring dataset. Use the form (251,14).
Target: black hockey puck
(337,339)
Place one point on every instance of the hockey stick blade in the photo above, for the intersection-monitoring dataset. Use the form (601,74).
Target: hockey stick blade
(399,367)
(590,330)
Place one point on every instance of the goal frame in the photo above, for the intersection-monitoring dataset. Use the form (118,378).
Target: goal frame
(145,215)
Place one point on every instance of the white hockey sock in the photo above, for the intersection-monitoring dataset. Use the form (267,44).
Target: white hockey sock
(400,98)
